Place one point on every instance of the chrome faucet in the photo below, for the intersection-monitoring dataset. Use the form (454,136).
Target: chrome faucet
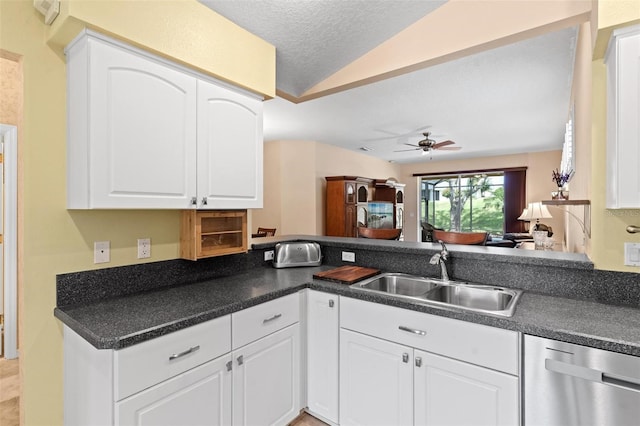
(441,258)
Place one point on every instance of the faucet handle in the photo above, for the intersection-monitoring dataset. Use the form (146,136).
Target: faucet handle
(444,252)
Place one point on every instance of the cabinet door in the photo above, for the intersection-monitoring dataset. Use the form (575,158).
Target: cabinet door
(266,380)
(623,109)
(142,131)
(201,396)
(322,354)
(229,148)
(350,220)
(376,381)
(450,392)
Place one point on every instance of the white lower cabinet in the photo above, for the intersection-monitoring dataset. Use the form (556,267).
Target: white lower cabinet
(266,379)
(365,364)
(376,381)
(240,369)
(323,322)
(450,392)
(198,397)
(388,378)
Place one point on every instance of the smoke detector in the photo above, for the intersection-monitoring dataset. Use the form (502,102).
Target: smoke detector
(49,8)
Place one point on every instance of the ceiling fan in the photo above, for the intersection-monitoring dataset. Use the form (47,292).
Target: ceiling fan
(428,145)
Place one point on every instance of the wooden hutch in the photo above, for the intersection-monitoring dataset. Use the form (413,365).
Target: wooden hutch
(347,199)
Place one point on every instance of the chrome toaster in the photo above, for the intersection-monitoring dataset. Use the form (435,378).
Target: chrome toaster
(297,253)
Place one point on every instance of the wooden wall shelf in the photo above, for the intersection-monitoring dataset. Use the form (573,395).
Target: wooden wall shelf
(585,222)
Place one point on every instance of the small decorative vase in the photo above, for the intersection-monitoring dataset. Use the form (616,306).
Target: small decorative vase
(561,194)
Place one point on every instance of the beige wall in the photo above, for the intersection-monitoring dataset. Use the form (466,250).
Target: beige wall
(539,184)
(289,188)
(56,240)
(580,185)
(608,226)
(184,31)
(294,173)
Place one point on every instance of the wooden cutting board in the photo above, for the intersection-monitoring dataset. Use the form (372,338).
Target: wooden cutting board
(347,274)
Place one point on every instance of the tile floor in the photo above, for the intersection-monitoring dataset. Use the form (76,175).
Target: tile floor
(9,393)
(305,419)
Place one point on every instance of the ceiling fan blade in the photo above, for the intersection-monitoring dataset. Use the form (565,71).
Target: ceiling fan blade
(406,150)
(410,144)
(394,135)
(444,143)
(449,148)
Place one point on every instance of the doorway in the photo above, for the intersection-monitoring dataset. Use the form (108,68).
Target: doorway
(9,240)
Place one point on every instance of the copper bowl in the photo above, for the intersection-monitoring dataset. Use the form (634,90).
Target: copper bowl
(381,234)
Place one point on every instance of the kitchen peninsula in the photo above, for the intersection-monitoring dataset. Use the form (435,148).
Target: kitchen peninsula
(565,299)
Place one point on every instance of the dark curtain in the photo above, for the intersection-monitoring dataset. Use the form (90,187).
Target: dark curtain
(515,184)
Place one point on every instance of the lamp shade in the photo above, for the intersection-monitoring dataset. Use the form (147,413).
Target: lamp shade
(535,211)
(524,215)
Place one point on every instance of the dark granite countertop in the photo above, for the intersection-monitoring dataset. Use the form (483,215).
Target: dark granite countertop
(123,321)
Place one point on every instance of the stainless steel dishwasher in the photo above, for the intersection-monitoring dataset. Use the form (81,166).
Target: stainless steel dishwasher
(567,384)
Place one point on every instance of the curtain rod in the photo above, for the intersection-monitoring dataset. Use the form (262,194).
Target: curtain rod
(464,172)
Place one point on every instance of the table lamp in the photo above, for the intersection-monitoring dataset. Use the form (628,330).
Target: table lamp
(536,211)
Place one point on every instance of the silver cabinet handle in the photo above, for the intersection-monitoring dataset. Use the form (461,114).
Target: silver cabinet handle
(412,330)
(187,352)
(194,201)
(240,360)
(204,201)
(229,366)
(418,361)
(275,317)
(405,357)
(633,229)
(331,303)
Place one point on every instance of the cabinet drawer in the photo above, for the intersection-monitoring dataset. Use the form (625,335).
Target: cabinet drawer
(201,396)
(258,321)
(474,343)
(141,366)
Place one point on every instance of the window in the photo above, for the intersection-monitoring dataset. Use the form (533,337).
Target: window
(464,202)
(477,200)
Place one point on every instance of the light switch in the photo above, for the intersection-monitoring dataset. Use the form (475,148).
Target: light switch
(632,254)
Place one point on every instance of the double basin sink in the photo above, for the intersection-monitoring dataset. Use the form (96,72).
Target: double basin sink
(473,297)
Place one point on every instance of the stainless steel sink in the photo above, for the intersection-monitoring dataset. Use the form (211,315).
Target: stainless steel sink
(474,297)
(496,300)
(398,284)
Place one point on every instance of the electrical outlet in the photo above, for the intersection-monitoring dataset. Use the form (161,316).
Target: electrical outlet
(348,256)
(268,255)
(101,252)
(144,248)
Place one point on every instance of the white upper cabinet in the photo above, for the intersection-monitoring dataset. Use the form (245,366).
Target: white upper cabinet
(229,159)
(623,110)
(146,133)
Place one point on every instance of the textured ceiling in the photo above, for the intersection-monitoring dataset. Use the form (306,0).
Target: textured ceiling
(314,39)
(511,99)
